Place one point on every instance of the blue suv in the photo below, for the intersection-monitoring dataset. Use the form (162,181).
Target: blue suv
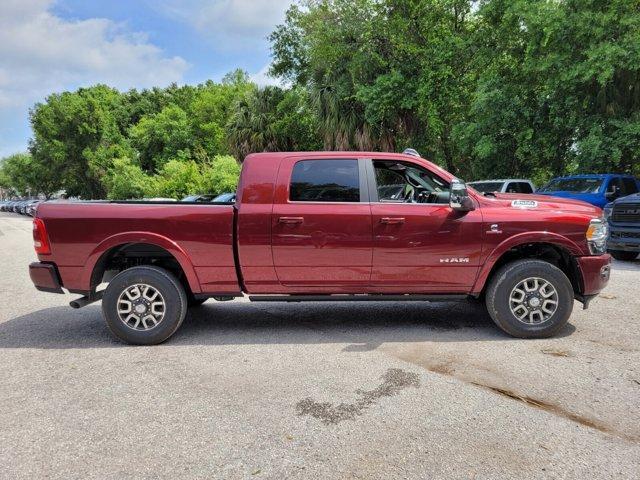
(596,189)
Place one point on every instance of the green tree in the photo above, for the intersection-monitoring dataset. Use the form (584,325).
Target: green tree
(381,75)
(221,176)
(271,119)
(67,129)
(177,179)
(21,174)
(161,137)
(558,88)
(211,108)
(126,180)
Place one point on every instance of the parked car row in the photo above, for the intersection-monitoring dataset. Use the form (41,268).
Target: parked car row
(596,189)
(208,198)
(23,207)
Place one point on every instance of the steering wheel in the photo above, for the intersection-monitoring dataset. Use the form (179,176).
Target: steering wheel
(407,196)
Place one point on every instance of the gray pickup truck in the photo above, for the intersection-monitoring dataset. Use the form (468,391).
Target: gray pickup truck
(623,216)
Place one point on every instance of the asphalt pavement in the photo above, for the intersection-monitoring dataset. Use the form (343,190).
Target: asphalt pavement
(317,390)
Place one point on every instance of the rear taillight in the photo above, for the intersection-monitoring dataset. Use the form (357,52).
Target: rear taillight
(40,238)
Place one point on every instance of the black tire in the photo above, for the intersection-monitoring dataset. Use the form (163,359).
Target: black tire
(508,277)
(623,255)
(173,296)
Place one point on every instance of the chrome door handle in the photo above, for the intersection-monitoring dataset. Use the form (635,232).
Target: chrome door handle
(291,220)
(392,220)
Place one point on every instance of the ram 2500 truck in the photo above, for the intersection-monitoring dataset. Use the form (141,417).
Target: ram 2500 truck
(326,226)
(623,216)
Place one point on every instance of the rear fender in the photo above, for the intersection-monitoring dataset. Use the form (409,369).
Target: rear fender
(142,237)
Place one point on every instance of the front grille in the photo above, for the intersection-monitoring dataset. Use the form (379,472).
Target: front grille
(621,235)
(626,212)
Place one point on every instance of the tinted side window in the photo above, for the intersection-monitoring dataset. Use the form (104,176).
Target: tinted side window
(629,186)
(325,181)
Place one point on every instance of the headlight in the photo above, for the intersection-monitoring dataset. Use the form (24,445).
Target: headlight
(597,236)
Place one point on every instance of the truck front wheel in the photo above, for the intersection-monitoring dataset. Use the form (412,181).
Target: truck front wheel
(530,299)
(144,305)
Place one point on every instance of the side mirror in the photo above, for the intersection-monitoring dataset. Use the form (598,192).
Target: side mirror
(459,199)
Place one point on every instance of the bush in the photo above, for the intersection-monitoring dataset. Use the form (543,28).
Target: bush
(178,179)
(221,175)
(126,180)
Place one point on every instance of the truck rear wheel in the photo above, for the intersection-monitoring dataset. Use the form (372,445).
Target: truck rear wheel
(530,299)
(623,255)
(144,305)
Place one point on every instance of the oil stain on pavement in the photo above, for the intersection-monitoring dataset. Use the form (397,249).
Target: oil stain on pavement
(394,380)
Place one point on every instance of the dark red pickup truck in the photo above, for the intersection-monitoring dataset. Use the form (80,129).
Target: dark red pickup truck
(326,226)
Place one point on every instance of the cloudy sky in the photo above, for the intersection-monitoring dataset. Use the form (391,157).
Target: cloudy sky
(53,45)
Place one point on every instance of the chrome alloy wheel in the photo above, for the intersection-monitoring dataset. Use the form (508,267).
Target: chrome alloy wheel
(533,301)
(141,307)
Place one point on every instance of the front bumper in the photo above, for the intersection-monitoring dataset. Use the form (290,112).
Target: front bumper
(595,271)
(45,277)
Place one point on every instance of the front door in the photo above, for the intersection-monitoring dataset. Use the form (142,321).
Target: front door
(420,244)
(321,225)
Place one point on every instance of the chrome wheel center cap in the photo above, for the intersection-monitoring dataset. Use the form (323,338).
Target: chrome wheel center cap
(140,308)
(534,302)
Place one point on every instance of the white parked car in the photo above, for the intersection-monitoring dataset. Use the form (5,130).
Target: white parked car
(508,185)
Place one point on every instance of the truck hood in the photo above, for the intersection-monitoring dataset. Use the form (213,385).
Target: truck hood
(546,202)
(633,198)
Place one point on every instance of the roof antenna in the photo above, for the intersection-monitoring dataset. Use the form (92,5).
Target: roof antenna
(412,152)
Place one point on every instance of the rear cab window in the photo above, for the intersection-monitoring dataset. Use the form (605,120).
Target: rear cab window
(519,187)
(326,181)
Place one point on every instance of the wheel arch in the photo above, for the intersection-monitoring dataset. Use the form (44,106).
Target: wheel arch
(553,248)
(98,261)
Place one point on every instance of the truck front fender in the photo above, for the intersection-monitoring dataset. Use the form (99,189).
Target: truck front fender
(514,241)
(142,237)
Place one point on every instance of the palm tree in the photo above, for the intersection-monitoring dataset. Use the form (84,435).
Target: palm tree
(252,121)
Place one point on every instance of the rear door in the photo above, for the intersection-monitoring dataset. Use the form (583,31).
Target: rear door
(321,225)
(420,244)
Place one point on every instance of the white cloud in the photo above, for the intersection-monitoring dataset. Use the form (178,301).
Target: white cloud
(41,53)
(231,24)
(262,78)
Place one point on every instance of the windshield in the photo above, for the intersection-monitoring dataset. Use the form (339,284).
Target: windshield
(487,187)
(577,185)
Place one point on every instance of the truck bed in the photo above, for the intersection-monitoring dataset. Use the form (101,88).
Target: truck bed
(199,236)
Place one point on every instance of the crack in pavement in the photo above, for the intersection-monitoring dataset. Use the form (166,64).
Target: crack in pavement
(557,410)
(447,367)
